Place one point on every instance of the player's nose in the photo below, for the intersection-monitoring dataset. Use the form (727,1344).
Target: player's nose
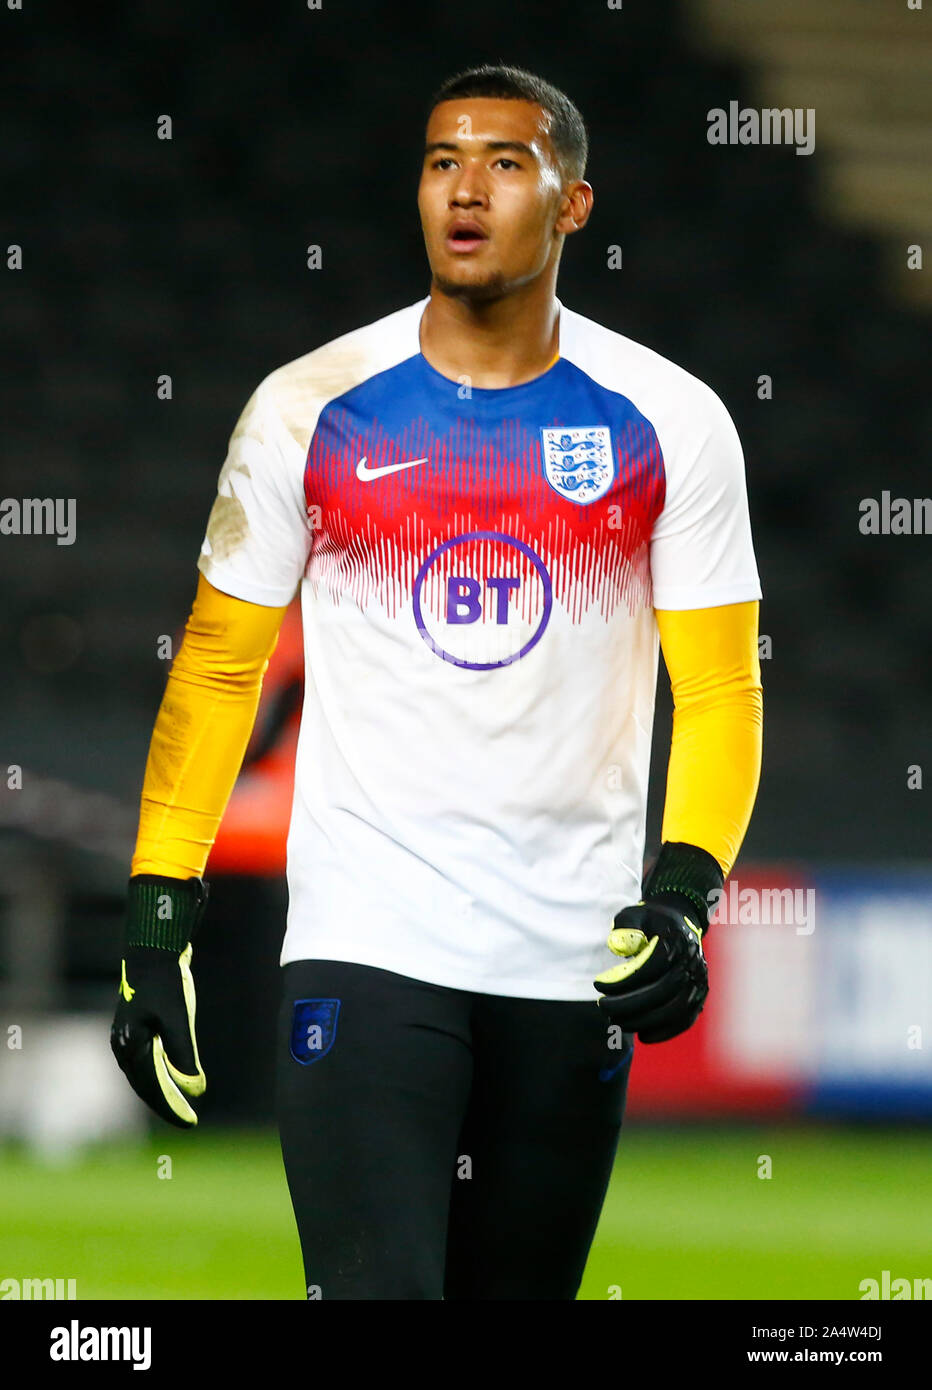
(469,191)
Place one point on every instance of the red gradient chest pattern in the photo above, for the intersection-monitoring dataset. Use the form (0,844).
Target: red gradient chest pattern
(558,478)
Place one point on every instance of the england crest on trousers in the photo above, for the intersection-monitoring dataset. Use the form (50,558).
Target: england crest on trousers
(579,462)
(313,1029)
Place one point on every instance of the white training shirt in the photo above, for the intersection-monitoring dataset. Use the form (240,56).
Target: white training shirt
(478,573)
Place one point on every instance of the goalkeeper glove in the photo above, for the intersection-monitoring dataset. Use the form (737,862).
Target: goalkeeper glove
(152,1036)
(660,989)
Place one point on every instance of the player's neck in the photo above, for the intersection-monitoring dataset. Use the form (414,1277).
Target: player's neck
(499,343)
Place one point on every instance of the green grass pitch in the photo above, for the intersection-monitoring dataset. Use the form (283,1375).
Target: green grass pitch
(687,1216)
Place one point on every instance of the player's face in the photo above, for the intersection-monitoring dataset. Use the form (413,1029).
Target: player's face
(490,196)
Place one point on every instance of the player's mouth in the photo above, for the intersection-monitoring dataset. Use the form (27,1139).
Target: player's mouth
(465,234)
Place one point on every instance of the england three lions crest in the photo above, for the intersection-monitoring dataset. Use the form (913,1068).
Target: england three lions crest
(579,463)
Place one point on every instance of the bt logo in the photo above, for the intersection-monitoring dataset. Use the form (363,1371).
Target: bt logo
(482,600)
(464,604)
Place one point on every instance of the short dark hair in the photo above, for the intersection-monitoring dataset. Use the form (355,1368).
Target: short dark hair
(567,129)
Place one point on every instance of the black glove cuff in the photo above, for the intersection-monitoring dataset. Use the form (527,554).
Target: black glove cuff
(164,912)
(684,874)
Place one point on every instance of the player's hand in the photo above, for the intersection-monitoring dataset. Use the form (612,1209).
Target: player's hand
(661,985)
(153,1032)
(153,1036)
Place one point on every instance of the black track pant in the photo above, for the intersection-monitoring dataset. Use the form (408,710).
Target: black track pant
(440,1143)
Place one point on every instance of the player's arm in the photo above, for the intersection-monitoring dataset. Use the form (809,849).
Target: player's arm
(711,655)
(200,736)
(705,597)
(252,559)
(203,726)
(712,779)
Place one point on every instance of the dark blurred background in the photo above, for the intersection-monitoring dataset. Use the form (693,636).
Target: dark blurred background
(187,257)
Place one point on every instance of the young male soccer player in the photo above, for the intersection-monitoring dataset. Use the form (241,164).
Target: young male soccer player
(496,510)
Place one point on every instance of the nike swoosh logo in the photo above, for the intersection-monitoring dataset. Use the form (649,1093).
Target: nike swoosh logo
(126,990)
(365,474)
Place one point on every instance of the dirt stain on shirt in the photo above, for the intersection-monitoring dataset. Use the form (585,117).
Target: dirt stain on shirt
(227,526)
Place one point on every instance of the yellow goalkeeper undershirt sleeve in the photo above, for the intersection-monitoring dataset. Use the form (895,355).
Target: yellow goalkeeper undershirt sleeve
(202,730)
(718,716)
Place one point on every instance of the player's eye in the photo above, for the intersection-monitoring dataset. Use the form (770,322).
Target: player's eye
(444,159)
(510,163)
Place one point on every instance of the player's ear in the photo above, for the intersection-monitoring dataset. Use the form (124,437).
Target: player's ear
(575,208)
